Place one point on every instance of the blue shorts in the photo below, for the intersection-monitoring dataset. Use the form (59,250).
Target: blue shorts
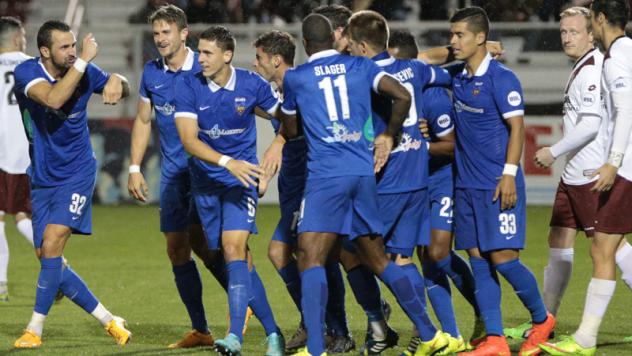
(290,196)
(177,207)
(69,204)
(226,209)
(480,222)
(344,205)
(403,215)
(441,189)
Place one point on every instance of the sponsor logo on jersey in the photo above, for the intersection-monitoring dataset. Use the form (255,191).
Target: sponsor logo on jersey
(444,121)
(340,133)
(166,109)
(407,143)
(459,106)
(514,98)
(215,132)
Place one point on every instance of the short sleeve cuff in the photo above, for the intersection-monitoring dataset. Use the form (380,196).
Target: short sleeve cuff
(31,83)
(445,132)
(273,109)
(288,111)
(514,113)
(188,115)
(376,80)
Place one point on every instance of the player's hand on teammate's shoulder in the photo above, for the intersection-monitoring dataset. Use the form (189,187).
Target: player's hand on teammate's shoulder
(423,127)
(383,145)
(506,191)
(606,173)
(543,157)
(137,187)
(113,90)
(89,48)
(495,49)
(245,172)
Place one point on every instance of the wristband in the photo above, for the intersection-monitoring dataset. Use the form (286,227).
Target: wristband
(427,145)
(80,65)
(134,168)
(223,161)
(510,169)
(615,159)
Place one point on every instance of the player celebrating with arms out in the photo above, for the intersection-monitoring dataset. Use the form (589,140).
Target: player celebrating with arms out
(216,123)
(53,92)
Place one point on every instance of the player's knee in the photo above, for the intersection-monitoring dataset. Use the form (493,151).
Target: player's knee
(278,255)
(437,253)
(179,255)
(234,252)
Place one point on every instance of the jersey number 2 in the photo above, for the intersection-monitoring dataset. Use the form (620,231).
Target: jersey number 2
(341,83)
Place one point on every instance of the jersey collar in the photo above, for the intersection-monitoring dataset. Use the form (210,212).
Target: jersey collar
(50,77)
(229,86)
(482,68)
(322,54)
(383,59)
(188,61)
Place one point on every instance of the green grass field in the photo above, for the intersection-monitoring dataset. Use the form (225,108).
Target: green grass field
(126,266)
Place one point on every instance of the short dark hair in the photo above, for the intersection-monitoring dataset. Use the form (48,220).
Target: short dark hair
(405,42)
(338,15)
(221,36)
(370,27)
(277,43)
(170,14)
(617,12)
(8,25)
(45,33)
(475,17)
(317,31)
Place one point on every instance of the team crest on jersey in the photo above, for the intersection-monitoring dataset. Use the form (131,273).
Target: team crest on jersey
(476,91)
(240,104)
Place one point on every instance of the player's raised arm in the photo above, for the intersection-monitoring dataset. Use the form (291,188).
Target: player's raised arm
(392,88)
(55,95)
(445,54)
(141,133)
(116,88)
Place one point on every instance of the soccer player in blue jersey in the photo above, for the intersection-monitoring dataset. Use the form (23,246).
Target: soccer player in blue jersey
(53,91)
(274,56)
(332,93)
(215,120)
(438,259)
(178,218)
(489,200)
(403,184)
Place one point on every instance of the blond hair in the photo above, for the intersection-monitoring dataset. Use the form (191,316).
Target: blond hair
(578,11)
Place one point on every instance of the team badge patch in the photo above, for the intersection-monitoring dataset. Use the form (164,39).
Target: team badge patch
(476,91)
(240,104)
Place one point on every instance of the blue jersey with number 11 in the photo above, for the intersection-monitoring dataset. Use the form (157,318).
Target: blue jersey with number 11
(333,93)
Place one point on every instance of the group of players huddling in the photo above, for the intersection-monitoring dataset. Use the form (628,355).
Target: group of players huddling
(370,151)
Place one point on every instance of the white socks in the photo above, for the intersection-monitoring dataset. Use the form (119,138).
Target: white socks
(557,274)
(624,261)
(102,314)
(4,254)
(598,297)
(36,324)
(25,227)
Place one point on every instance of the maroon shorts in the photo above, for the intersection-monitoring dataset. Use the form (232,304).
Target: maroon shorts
(15,196)
(575,207)
(614,213)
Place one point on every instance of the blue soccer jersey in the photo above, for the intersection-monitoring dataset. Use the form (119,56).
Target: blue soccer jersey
(60,142)
(333,92)
(157,87)
(439,116)
(226,119)
(407,168)
(482,102)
